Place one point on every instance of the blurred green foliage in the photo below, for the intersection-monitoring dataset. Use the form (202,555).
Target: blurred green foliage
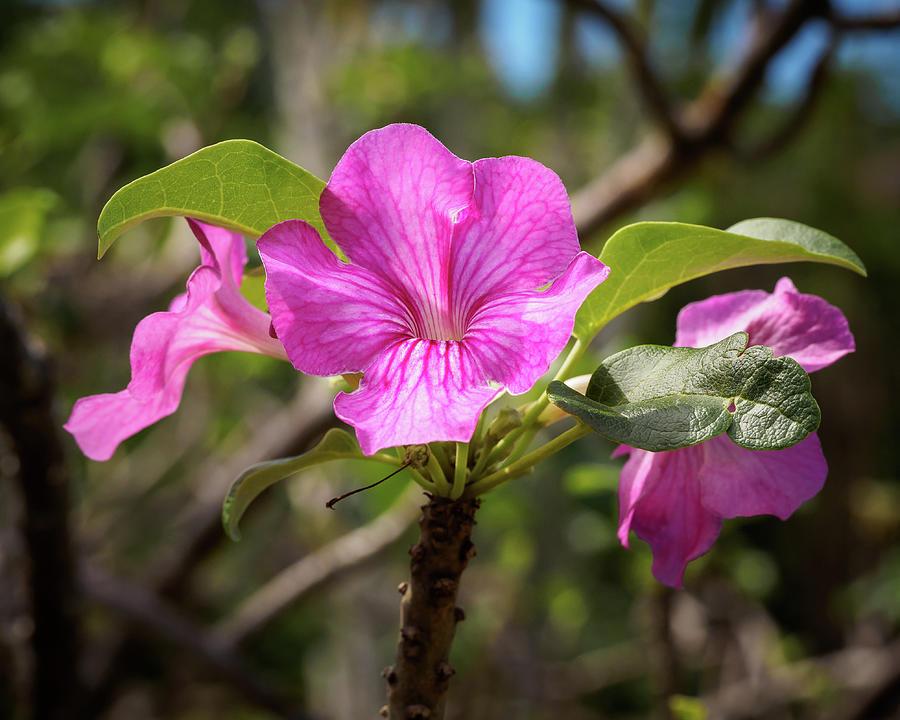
(94,94)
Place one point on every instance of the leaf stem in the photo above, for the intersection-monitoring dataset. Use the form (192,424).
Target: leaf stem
(520,467)
(509,444)
(459,474)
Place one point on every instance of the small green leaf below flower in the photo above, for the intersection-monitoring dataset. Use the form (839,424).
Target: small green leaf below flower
(656,397)
(335,445)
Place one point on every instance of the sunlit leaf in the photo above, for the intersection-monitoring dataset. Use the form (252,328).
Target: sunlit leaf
(659,398)
(237,184)
(649,258)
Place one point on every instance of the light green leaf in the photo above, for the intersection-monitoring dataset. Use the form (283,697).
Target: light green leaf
(335,445)
(237,184)
(659,398)
(23,214)
(648,258)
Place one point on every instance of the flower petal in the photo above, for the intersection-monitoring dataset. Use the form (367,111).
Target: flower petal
(417,391)
(741,483)
(210,317)
(660,499)
(804,327)
(516,336)
(331,317)
(517,235)
(391,204)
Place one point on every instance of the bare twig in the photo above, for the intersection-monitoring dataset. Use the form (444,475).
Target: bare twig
(882,21)
(707,125)
(26,412)
(322,566)
(634,48)
(797,119)
(150,613)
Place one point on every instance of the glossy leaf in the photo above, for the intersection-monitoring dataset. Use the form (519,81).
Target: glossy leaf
(237,184)
(657,397)
(335,445)
(649,258)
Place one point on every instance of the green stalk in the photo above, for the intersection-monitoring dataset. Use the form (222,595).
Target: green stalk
(442,487)
(459,475)
(520,467)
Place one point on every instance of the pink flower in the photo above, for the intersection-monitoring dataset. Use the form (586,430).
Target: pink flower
(442,304)
(210,317)
(676,500)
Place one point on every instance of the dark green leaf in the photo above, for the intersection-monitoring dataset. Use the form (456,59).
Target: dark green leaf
(659,398)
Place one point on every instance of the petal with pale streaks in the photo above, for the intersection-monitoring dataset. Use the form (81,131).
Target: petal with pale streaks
(417,391)
(517,235)
(390,205)
(332,317)
(516,336)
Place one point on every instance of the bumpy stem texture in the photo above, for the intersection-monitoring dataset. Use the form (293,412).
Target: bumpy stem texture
(420,676)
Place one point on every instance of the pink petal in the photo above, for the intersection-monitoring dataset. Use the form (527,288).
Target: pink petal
(417,391)
(517,235)
(660,498)
(210,317)
(802,326)
(331,317)
(390,205)
(516,336)
(741,483)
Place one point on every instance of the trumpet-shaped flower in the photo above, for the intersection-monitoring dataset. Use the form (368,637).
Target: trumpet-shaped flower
(442,304)
(210,317)
(676,501)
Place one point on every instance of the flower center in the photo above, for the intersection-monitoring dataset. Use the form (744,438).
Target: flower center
(428,320)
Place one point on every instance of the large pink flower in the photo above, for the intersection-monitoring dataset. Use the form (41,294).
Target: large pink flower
(210,317)
(442,304)
(676,500)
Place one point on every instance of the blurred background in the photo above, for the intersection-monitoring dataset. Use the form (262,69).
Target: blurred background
(120,596)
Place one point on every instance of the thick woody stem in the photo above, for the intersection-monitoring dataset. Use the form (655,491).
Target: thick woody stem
(420,676)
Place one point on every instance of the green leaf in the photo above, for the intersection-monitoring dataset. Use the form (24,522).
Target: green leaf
(659,398)
(237,184)
(23,214)
(335,445)
(648,258)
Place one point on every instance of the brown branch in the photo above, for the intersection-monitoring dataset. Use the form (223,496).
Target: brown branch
(708,124)
(851,23)
(320,567)
(634,48)
(26,413)
(801,114)
(418,680)
(163,621)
